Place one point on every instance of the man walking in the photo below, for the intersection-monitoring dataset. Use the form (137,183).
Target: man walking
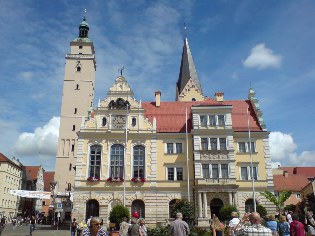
(296,227)
(179,227)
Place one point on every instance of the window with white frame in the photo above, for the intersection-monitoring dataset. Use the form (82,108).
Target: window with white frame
(175,173)
(204,144)
(95,161)
(215,171)
(212,120)
(174,148)
(205,171)
(246,173)
(116,161)
(138,161)
(244,147)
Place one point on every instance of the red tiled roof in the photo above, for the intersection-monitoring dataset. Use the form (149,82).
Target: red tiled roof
(171,116)
(306,171)
(31,172)
(292,182)
(48,178)
(3,158)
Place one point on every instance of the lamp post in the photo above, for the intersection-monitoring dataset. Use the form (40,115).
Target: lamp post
(53,187)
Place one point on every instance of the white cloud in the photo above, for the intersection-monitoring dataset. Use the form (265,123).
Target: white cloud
(283,151)
(43,141)
(262,57)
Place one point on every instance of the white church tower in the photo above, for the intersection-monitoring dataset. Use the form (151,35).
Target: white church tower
(77,99)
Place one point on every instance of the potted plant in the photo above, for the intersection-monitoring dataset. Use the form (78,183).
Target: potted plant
(137,180)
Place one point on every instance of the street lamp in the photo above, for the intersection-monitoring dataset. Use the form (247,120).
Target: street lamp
(53,187)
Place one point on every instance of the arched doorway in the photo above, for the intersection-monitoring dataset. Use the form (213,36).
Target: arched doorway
(138,206)
(249,205)
(215,206)
(170,206)
(92,208)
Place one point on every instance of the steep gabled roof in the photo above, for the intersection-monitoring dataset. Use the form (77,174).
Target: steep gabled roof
(48,178)
(31,172)
(171,116)
(3,158)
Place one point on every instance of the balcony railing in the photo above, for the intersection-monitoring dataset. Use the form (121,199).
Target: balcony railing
(214,154)
(215,181)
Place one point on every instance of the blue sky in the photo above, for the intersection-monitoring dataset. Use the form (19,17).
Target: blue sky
(268,44)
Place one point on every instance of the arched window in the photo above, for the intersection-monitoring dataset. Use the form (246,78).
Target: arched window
(138,161)
(249,205)
(171,205)
(95,161)
(117,161)
(92,208)
(79,68)
(104,121)
(138,206)
(133,121)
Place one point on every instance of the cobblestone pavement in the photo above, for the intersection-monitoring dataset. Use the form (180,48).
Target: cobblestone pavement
(40,230)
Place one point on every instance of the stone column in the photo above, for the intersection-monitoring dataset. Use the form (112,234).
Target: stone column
(205,205)
(199,205)
(230,198)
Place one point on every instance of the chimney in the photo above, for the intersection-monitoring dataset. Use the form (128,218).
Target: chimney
(285,173)
(157,98)
(219,96)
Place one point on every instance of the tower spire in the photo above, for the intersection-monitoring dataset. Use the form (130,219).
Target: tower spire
(187,75)
(84,27)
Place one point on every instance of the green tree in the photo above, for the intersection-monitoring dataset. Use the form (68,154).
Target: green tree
(262,211)
(277,200)
(186,208)
(117,213)
(225,212)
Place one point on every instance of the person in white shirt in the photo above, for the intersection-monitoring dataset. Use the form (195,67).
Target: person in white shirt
(233,223)
(289,217)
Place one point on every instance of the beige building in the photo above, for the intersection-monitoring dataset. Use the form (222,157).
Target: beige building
(146,155)
(11,179)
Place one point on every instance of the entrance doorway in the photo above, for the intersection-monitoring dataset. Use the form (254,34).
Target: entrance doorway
(138,206)
(215,206)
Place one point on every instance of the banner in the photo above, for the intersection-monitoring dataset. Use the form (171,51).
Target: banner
(31,194)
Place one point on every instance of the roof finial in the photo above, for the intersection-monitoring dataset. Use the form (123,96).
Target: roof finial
(185,30)
(84,17)
(121,70)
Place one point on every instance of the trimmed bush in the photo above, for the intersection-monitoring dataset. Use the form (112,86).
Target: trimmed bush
(117,213)
(225,212)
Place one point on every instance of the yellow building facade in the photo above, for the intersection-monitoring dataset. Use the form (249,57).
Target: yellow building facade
(147,155)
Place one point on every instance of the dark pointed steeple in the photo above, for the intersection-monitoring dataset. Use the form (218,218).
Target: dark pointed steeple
(187,74)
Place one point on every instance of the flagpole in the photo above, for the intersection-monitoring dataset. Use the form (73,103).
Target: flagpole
(187,158)
(251,160)
(126,129)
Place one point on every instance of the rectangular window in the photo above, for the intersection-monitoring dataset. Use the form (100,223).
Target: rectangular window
(204,143)
(170,173)
(213,143)
(170,148)
(242,147)
(244,173)
(224,171)
(215,171)
(75,110)
(179,148)
(213,121)
(205,171)
(255,172)
(222,143)
(179,173)
(252,146)
(72,148)
(73,127)
(203,121)
(221,120)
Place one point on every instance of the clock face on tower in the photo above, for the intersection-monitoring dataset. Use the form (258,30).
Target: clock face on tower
(118,122)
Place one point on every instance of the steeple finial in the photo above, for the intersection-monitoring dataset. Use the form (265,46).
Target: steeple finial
(185,30)
(121,70)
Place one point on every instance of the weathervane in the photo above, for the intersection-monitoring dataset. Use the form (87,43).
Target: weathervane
(121,70)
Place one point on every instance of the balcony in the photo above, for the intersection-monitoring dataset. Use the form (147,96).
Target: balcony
(216,181)
(214,154)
